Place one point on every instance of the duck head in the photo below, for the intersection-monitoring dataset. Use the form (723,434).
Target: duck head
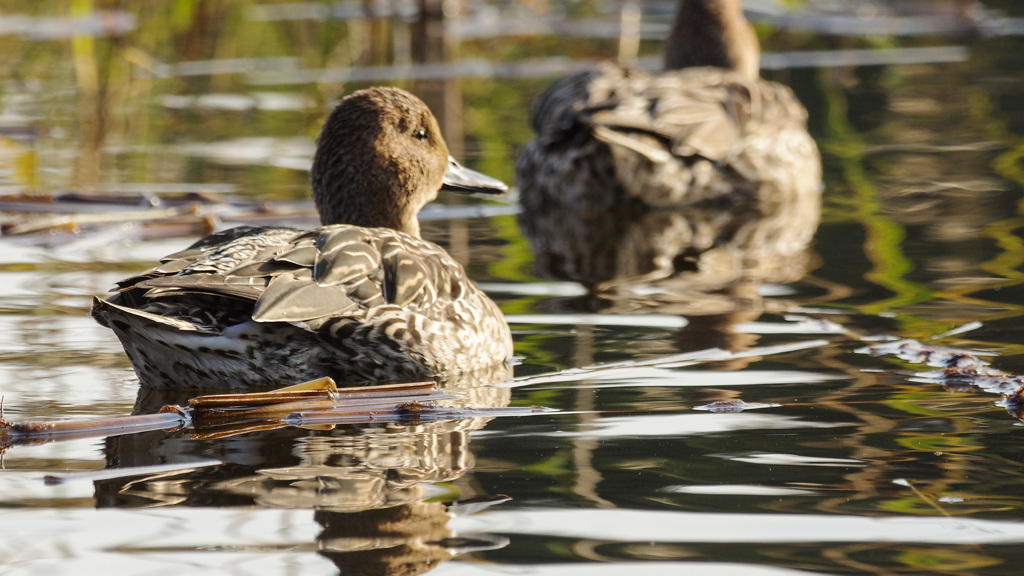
(380,158)
(712,33)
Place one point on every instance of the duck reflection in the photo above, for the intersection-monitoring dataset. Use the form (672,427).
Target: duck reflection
(364,483)
(707,263)
(702,248)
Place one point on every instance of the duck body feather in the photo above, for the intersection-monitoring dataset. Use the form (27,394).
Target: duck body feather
(614,135)
(256,306)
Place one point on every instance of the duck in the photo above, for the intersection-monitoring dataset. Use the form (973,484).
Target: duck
(361,299)
(706,130)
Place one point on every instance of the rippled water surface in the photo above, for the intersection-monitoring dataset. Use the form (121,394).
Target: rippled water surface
(843,462)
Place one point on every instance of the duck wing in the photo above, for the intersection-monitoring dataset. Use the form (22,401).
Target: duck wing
(705,112)
(285,275)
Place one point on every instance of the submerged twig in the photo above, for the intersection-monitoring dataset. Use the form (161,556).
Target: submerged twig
(317,403)
(924,497)
(37,432)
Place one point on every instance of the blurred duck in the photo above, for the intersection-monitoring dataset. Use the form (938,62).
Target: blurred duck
(706,129)
(361,299)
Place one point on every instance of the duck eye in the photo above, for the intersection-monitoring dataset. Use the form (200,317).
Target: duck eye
(420,134)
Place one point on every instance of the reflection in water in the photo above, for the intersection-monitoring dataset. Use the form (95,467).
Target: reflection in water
(401,540)
(701,248)
(364,483)
(708,263)
(859,471)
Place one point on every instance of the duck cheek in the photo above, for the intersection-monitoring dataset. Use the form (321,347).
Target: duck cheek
(429,180)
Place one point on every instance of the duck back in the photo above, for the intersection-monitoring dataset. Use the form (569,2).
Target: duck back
(615,134)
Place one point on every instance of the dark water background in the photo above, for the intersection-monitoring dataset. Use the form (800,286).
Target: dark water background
(863,467)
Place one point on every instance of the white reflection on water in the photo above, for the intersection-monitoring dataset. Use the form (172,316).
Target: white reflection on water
(690,424)
(626,378)
(631,320)
(91,24)
(21,488)
(793,325)
(32,289)
(736,490)
(160,541)
(23,285)
(533,288)
(634,376)
(294,153)
(663,526)
(268,101)
(14,253)
(618,568)
(790,460)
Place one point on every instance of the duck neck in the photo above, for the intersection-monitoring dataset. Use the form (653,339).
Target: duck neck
(712,33)
(367,208)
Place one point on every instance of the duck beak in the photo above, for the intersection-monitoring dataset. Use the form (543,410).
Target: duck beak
(458,178)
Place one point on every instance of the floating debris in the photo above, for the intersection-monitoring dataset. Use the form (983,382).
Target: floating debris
(918,353)
(1014,403)
(48,431)
(729,406)
(317,404)
(959,370)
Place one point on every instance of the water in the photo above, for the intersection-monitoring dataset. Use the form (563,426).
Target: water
(845,463)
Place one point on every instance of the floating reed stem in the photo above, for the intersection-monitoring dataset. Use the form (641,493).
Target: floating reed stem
(317,403)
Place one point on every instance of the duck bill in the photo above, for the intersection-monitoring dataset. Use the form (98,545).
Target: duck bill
(460,179)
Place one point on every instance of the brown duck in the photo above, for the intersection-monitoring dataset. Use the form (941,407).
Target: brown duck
(706,129)
(361,299)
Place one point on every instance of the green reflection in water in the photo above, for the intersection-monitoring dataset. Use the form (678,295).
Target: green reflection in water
(883,237)
(883,427)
